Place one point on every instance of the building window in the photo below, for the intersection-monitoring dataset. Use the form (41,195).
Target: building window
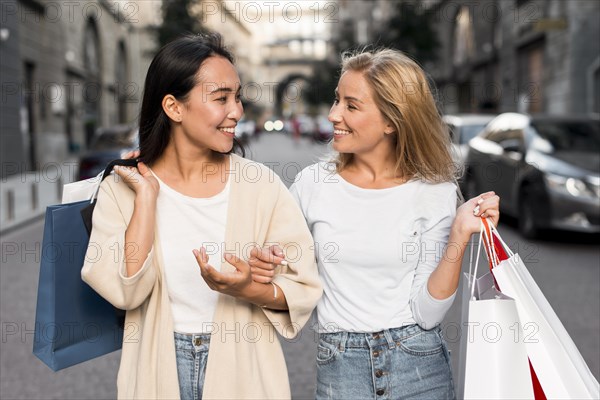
(530,78)
(463,36)
(593,80)
(92,91)
(28,116)
(122,83)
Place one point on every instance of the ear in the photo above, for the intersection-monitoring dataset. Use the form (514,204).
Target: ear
(173,108)
(389,129)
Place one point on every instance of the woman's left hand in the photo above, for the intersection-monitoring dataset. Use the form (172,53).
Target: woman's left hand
(468,216)
(231,283)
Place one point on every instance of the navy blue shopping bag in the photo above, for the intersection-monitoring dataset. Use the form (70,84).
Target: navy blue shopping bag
(73,323)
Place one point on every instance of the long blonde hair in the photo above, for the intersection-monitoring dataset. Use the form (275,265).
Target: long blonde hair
(402,94)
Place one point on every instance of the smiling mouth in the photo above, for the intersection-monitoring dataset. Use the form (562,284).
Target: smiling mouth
(231,130)
(341,132)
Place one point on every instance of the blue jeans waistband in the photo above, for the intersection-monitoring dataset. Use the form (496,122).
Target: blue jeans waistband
(190,340)
(391,336)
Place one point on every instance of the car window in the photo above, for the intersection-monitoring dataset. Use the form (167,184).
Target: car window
(499,136)
(468,132)
(570,135)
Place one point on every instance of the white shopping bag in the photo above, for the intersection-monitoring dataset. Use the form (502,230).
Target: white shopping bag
(81,190)
(492,364)
(561,370)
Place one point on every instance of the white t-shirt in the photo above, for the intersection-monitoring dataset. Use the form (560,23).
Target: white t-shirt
(186,223)
(376,249)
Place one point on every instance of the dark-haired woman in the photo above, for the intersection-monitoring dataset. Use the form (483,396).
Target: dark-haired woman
(172,239)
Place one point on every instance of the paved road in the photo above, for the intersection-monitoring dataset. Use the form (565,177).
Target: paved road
(566,267)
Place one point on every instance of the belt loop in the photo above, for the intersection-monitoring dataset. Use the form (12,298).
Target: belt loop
(343,340)
(389,339)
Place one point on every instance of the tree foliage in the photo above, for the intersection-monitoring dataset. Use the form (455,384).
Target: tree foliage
(178,19)
(323,82)
(410,29)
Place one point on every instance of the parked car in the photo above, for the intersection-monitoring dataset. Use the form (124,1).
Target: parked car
(245,129)
(464,127)
(108,144)
(546,170)
(324,129)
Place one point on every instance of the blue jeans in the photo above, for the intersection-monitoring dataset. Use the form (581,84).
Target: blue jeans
(400,363)
(192,353)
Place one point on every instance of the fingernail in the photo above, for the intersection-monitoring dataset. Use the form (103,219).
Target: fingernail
(476,210)
(196,253)
(227,256)
(280,253)
(479,201)
(283,262)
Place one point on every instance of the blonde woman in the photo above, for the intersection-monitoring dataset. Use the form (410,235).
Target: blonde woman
(390,239)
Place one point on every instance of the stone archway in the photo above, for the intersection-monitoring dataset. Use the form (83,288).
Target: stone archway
(283,86)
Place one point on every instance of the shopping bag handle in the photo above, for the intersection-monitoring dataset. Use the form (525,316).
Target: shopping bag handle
(86,212)
(496,249)
(485,236)
(130,162)
(473,274)
(490,250)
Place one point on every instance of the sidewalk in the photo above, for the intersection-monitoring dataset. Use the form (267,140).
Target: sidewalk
(25,196)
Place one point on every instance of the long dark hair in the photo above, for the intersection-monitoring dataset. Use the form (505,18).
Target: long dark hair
(174,71)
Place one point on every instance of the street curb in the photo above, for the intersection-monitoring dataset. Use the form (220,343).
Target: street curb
(7,230)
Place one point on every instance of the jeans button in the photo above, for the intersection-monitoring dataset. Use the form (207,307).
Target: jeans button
(380,392)
(379,373)
(375,353)
(197,341)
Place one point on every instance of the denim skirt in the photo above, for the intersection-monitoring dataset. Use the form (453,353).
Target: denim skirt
(191,351)
(400,363)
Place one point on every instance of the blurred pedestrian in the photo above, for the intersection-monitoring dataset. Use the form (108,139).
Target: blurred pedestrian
(196,326)
(296,128)
(389,237)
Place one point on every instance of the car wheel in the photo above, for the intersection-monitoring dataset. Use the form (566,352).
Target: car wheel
(527,224)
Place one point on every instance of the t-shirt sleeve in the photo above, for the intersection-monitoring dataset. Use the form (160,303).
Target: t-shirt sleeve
(427,310)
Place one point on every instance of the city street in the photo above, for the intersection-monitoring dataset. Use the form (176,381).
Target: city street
(565,266)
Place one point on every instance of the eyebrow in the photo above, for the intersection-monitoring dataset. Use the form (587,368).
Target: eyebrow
(349,97)
(226,90)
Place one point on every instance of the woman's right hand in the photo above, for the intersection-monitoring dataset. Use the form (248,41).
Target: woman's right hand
(263,262)
(140,179)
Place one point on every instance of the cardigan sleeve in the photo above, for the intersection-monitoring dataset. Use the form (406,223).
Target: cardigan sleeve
(104,267)
(299,280)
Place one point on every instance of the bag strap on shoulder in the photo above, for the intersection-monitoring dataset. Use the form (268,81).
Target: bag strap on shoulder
(86,212)
(132,162)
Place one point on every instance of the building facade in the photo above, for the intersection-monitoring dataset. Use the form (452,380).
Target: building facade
(534,56)
(67,69)
(276,45)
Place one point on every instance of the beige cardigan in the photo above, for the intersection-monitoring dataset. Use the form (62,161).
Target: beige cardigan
(245,359)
